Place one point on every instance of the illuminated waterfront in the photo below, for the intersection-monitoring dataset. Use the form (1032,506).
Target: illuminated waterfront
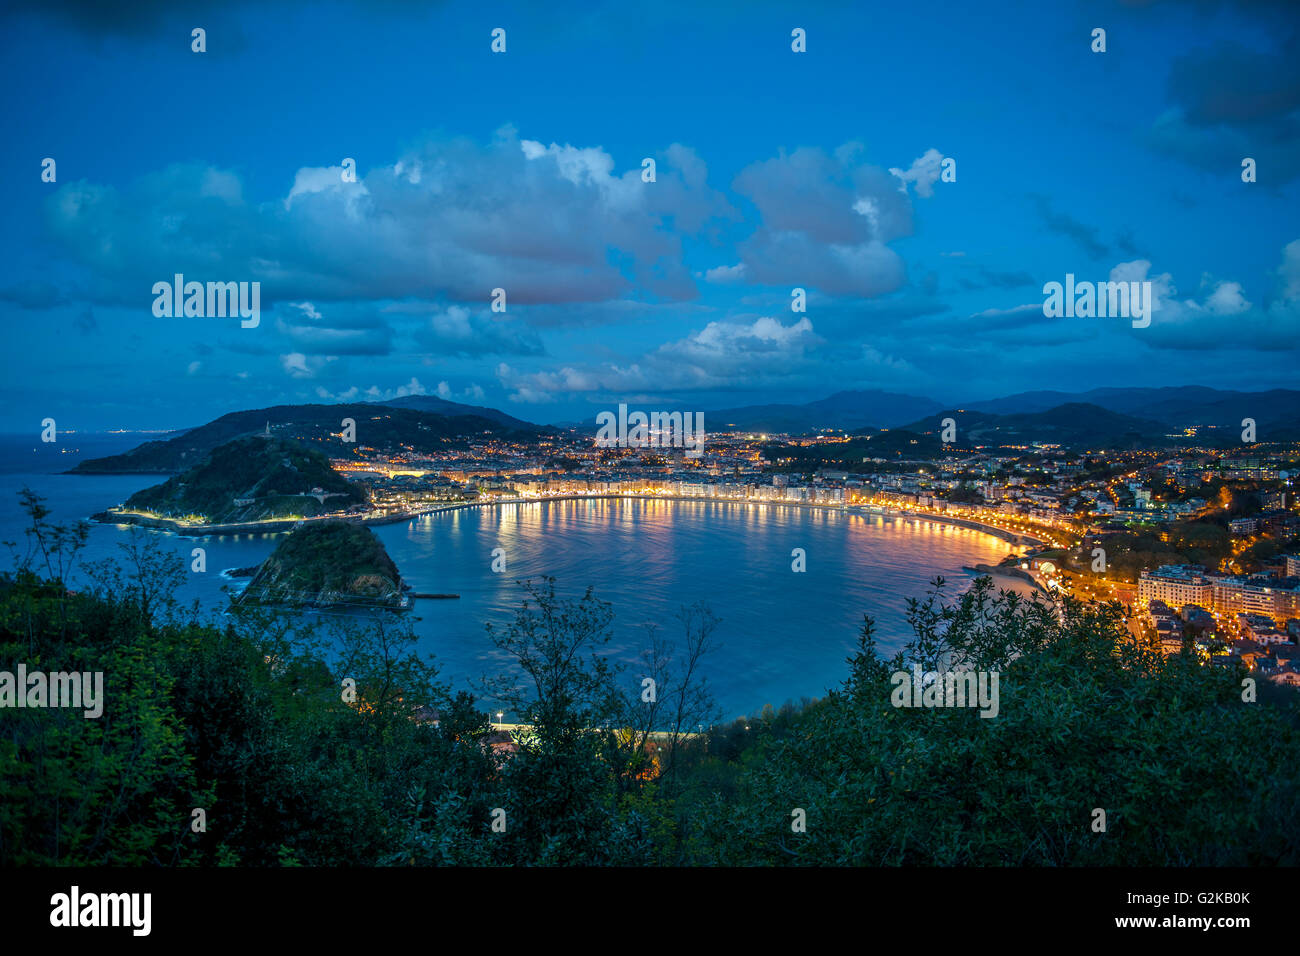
(782,634)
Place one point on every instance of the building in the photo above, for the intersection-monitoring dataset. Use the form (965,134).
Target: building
(1256,595)
(1261,629)
(1176,585)
(1243,525)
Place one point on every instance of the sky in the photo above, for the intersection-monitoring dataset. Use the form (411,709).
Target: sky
(523,170)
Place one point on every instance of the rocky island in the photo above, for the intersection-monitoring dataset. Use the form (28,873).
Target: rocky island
(328,564)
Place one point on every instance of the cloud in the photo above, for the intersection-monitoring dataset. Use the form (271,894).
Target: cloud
(1016,310)
(1230,101)
(472,392)
(295,364)
(1067,225)
(734,273)
(450,219)
(763,335)
(456,330)
(758,352)
(825,223)
(1289,272)
(924,172)
(33,294)
(1224,318)
(349,330)
(372,394)
(298,365)
(986,278)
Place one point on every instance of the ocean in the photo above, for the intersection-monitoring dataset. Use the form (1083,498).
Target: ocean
(782,634)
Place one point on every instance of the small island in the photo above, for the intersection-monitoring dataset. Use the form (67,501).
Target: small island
(327,564)
(250,480)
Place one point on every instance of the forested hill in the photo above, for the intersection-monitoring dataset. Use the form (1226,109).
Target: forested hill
(327,563)
(377,426)
(252,479)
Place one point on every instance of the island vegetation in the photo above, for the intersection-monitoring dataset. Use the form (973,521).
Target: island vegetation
(327,564)
(251,479)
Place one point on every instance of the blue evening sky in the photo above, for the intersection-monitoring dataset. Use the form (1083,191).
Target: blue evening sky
(522,171)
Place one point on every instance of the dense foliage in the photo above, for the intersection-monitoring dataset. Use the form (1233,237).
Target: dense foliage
(325,562)
(250,720)
(275,475)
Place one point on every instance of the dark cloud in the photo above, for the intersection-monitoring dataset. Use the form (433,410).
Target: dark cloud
(1234,85)
(986,278)
(1127,245)
(1067,225)
(34,294)
(1231,101)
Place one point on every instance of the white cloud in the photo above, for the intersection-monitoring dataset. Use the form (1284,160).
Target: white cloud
(726,273)
(924,172)
(295,363)
(1227,299)
(446,220)
(1014,310)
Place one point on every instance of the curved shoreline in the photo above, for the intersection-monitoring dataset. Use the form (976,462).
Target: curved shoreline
(111,516)
(995,571)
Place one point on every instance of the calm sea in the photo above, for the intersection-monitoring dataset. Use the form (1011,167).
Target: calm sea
(782,635)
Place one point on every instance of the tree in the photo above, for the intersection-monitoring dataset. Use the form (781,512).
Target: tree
(1086,720)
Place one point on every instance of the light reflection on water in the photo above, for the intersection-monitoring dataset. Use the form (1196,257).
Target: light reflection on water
(782,634)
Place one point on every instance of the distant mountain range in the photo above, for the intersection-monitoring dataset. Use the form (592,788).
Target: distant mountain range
(1175,407)
(843,410)
(1114,417)
(1276,413)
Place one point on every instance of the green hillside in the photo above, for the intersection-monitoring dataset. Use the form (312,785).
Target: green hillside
(252,479)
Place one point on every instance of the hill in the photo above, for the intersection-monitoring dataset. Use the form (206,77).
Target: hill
(843,410)
(252,479)
(377,426)
(1074,425)
(1176,407)
(327,563)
